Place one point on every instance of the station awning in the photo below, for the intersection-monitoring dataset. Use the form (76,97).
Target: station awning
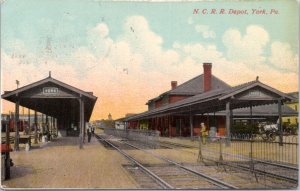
(250,94)
(70,106)
(50,96)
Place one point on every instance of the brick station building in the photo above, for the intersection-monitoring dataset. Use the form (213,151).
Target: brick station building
(206,98)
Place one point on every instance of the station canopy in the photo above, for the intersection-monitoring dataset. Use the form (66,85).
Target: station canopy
(53,98)
(253,93)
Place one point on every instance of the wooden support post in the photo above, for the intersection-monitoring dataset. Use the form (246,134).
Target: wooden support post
(81,122)
(169,126)
(29,127)
(50,126)
(47,123)
(231,119)
(251,120)
(56,126)
(35,127)
(157,125)
(84,126)
(191,126)
(42,127)
(80,125)
(180,122)
(16,146)
(280,122)
(207,121)
(53,127)
(215,120)
(228,122)
(200,156)
(7,154)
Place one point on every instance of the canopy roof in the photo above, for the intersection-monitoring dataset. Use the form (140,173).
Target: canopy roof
(51,97)
(252,93)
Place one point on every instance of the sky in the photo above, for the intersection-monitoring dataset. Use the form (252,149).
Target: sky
(129,52)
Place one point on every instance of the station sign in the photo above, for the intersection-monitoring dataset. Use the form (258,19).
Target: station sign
(255,93)
(50,90)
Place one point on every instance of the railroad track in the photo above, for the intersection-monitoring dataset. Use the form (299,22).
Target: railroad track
(174,175)
(275,170)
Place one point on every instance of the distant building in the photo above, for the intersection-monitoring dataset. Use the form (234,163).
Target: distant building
(109,117)
(120,124)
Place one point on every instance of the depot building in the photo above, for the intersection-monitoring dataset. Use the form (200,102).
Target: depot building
(206,98)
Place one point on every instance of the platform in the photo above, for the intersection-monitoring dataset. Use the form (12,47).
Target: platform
(61,164)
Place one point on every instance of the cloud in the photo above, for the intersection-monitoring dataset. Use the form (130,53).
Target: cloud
(99,41)
(201,53)
(101,29)
(248,48)
(143,41)
(126,71)
(282,57)
(205,31)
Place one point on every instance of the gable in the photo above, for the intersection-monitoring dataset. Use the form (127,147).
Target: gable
(254,90)
(257,93)
(49,90)
(46,88)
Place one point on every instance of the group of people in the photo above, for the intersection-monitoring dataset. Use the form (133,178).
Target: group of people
(43,130)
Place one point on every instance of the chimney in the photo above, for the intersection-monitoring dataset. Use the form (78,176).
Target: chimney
(173,84)
(207,76)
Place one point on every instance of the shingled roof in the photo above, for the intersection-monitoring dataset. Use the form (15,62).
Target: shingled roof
(35,91)
(194,86)
(295,95)
(213,95)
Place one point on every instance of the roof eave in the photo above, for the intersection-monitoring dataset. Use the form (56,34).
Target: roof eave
(257,83)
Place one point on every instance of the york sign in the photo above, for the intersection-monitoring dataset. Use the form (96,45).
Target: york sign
(50,90)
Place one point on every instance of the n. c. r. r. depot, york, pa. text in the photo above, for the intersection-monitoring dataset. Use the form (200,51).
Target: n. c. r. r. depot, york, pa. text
(253,11)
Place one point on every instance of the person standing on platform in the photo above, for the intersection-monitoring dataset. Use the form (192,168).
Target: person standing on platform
(93,130)
(89,133)
(39,133)
(204,133)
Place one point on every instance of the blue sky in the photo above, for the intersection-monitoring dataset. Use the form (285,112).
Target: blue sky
(87,41)
(32,20)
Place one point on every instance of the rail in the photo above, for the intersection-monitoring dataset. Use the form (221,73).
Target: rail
(163,183)
(209,178)
(212,180)
(147,136)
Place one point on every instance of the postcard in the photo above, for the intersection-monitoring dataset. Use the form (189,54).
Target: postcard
(99,94)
